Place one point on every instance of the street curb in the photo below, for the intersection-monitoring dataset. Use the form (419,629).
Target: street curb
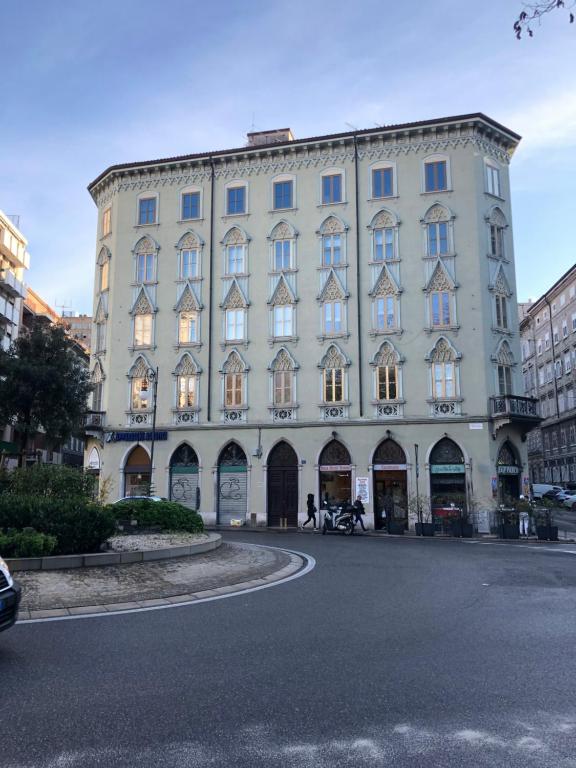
(113,558)
(299,562)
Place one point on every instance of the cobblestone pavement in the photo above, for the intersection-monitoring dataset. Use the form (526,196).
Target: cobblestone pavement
(229,565)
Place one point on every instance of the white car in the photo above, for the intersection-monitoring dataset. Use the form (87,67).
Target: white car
(9,597)
(570,501)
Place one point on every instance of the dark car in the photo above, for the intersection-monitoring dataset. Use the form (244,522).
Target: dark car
(9,597)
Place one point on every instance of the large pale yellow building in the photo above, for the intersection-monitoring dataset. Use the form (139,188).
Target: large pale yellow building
(324,315)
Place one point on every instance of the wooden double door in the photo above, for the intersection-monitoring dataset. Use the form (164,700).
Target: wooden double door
(283,486)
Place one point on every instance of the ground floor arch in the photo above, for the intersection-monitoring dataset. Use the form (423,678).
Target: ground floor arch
(282,486)
(335,474)
(390,481)
(232,485)
(447,482)
(509,473)
(184,487)
(137,472)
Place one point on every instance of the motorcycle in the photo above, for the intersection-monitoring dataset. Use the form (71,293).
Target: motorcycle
(338,519)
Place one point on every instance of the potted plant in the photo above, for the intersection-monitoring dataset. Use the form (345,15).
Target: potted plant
(508,522)
(419,506)
(542,516)
(460,524)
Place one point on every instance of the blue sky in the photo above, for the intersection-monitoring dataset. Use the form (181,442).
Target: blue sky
(86,85)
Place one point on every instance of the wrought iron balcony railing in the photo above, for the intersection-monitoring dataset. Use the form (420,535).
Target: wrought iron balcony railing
(514,406)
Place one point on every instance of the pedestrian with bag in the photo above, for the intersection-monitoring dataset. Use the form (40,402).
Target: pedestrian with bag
(311,511)
(358,512)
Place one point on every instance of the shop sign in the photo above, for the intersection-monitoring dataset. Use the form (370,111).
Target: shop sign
(389,467)
(138,437)
(335,467)
(504,469)
(363,489)
(447,469)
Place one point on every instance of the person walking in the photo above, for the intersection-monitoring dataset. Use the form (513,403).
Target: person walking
(311,510)
(358,512)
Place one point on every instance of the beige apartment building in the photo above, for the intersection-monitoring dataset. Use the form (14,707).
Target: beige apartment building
(333,315)
(548,334)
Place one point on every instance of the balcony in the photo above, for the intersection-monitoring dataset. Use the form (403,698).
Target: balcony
(94,422)
(512,409)
(11,285)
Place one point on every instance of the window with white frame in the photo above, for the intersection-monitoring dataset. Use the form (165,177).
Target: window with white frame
(492,179)
(188,327)
(385,315)
(283,246)
(235,245)
(234,373)
(188,249)
(558,369)
(546,341)
(283,321)
(332,187)
(440,315)
(145,261)
(103,269)
(334,385)
(236,202)
(501,302)
(147,210)
(555,335)
(384,227)
(97,383)
(143,330)
(497,225)
(438,226)
(573,322)
(333,317)
(235,324)
(187,374)
(387,381)
(436,174)
(283,194)
(567,362)
(444,371)
(100,337)
(331,250)
(190,205)
(140,386)
(383,182)
(106,221)
(564,329)
(283,379)
(504,380)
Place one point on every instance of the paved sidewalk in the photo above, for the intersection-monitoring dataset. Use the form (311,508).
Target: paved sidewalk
(232,567)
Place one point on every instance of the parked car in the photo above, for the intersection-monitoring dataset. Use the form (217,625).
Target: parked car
(139,498)
(539,489)
(10,593)
(558,496)
(570,502)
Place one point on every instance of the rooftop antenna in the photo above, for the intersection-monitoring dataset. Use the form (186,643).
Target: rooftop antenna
(354,127)
(62,307)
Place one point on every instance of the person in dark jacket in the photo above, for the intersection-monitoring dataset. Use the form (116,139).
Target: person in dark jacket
(311,510)
(358,512)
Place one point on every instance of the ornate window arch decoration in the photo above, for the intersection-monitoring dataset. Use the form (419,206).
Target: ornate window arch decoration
(143,312)
(235,251)
(103,262)
(187,395)
(387,379)
(282,239)
(190,201)
(384,236)
(436,173)
(501,291)
(332,234)
(440,299)
(145,254)
(385,297)
(97,378)
(334,383)
(438,231)
(504,364)
(234,382)
(189,254)
(444,378)
(100,318)
(188,310)
(235,315)
(497,225)
(333,302)
(282,386)
(282,305)
(140,387)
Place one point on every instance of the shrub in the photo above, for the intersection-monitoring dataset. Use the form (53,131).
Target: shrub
(169,515)
(52,480)
(79,526)
(26,543)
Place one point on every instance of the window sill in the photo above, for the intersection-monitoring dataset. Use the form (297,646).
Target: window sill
(395,401)
(136,284)
(232,275)
(142,348)
(380,262)
(495,197)
(187,409)
(441,328)
(330,205)
(99,352)
(287,271)
(187,345)
(385,332)
(449,255)
(226,408)
(279,406)
(436,191)
(282,340)
(143,226)
(395,196)
(332,336)
(282,210)
(234,343)
(498,258)
(235,215)
(344,403)
(184,280)
(187,221)
(342,265)
(502,331)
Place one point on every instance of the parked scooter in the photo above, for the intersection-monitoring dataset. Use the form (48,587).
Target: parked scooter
(339,519)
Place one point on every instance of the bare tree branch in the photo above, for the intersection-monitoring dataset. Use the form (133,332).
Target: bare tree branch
(533,12)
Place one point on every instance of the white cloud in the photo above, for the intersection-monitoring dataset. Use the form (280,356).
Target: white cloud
(547,122)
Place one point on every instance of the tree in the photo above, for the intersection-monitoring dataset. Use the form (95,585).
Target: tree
(44,385)
(534,11)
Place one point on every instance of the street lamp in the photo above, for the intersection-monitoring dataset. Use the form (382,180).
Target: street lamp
(151,379)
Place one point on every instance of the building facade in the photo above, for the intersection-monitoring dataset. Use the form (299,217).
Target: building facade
(319,316)
(548,337)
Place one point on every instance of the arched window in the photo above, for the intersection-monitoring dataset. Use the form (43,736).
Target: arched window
(235,308)
(438,224)
(334,383)
(385,304)
(143,312)
(333,238)
(502,293)
(497,225)
(283,385)
(444,379)
(100,318)
(235,245)
(384,228)
(440,295)
(145,253)
(504,365)
(387,381)
(187,374)
(137,472)
(141,386)
(234,382)
(283,305)
(98,384)
(104,269)
(283,247)
(188,314)
(189,249)
(333,305)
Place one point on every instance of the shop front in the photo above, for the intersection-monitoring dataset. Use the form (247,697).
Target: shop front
(232,486)
(335,474)
(137,473)
(509,474)
(184,477)
(390,476)
(447,484)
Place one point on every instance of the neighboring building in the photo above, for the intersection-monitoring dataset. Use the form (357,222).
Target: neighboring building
(324,315)
(36,307)
(14,260)
(79,327)
(548,333)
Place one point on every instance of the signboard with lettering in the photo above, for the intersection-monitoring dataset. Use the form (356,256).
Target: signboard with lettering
(504,469)
(389,467)
(363,489)
(447,469)
(137,437)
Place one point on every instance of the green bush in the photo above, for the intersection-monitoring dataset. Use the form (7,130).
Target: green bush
(26,543)
(79,526)
(169,515)
(51,480)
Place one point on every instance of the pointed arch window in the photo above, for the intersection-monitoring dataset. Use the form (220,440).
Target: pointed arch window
(145,260)
(104,269)
(504,366)
(332,299)
(143,320)
(497,226)
(438,227)
(98,385)
(187,374)
(387,381)
(385,304)
(188,315)
(334,380)
(332,234)
(283,379)
(283,240)
(235,252)
(140,386)
(234,380)
(189,249)
(384,228)
(444,376)
(441,299)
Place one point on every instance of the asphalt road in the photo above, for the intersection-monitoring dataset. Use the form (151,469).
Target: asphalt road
(390,653)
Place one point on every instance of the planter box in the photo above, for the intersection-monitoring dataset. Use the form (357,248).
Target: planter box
(395,528)
(462,529)
(427,529)
(510,531)
(547,532)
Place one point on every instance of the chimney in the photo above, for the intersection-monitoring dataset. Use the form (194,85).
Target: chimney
(277,136)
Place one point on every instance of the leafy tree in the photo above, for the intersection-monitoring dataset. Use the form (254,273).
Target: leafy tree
(533,12)
(43,385)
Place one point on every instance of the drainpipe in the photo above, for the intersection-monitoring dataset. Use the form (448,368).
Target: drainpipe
(210,292)
(547,300)
(358,313)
